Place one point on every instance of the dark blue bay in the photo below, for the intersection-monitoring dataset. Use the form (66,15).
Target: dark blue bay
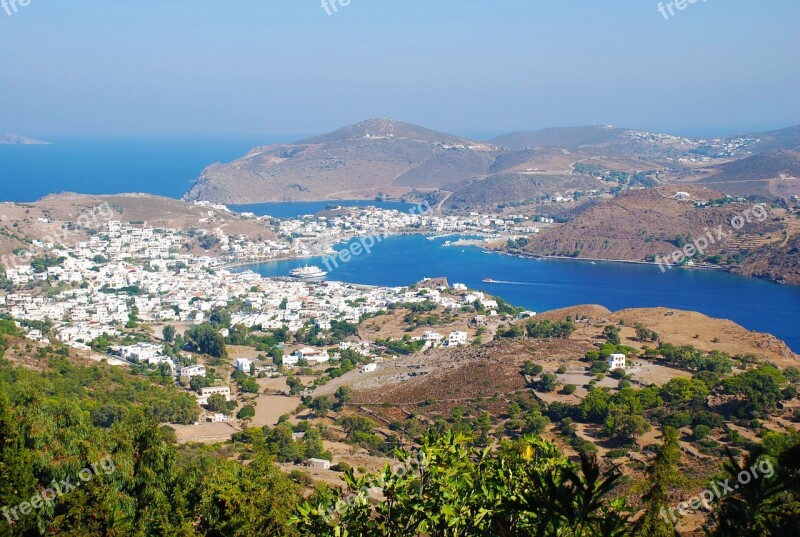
(549,284)
(168,166)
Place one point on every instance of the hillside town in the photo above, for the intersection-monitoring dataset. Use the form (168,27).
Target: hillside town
(98,290)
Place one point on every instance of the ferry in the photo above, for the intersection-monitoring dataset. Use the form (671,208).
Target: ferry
(308,273)
(488,280)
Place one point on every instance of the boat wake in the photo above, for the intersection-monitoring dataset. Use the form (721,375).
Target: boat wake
(506,282)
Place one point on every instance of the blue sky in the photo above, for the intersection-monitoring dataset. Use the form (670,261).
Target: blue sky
(472,67)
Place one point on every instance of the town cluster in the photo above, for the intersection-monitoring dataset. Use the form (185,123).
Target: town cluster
(319,234)
(130,274)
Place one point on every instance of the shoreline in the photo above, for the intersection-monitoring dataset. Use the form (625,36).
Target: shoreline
(487,249)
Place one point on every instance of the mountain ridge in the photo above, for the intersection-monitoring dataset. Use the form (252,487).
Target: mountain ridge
(383,157)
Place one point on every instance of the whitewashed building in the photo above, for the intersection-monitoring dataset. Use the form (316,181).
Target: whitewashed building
(617,361)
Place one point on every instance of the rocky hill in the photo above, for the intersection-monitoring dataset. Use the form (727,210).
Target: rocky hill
(773,173)
(360,161)
(381,156)
(644,224)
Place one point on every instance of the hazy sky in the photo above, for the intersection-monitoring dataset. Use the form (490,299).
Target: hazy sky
(465,66)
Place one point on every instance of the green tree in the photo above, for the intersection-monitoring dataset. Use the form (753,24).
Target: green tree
(343,395)
(217,403)
(246,412)
(250,385)
(662,475)
(206,340)
(611,333)
(450,488)
(169,333)
(295,385)
(321,406)
(548,382)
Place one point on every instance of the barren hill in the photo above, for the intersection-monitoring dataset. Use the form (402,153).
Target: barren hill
(52,217)
(773,173)
(572,137)
(360,161)
(491,372)
(642,224)
(382,156)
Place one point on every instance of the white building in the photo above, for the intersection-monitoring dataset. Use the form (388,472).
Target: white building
(433,339)
(369,368)
(205,393)
(244,365)
(617,361)
(319,356)
(193,371)
(456,338)
(319,463)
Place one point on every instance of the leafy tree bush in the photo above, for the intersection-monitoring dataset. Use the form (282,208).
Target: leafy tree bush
(525,489)
(204,339)
(547,382)
(246,412)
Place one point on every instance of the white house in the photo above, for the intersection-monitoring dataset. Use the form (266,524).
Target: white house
(456,338)
(433,339)
(617,361)
(319,463)
(205,393)
(244,365)
(193,371)
(319,356)
(369,368)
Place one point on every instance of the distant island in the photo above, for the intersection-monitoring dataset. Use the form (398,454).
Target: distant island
(16,139)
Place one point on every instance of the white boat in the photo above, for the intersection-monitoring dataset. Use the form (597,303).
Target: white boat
(308,273)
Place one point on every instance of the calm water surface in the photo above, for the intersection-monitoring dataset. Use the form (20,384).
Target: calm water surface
(550,284)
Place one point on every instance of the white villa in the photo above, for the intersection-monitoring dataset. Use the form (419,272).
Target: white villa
(205,393)
(193,371)
(456,338)
(617,361)
(244,365)
(319,356)
(432,339)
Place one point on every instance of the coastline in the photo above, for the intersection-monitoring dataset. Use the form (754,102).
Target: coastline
(486,249)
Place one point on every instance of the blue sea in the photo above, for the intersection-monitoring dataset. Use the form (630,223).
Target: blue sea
(542,285)
(168,166)
(163,166)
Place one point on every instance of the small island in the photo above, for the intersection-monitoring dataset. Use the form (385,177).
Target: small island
(16,139)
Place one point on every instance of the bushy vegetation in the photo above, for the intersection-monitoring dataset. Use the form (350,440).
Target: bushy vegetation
(540,330)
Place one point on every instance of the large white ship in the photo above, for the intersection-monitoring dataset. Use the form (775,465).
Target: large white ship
(308,273)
